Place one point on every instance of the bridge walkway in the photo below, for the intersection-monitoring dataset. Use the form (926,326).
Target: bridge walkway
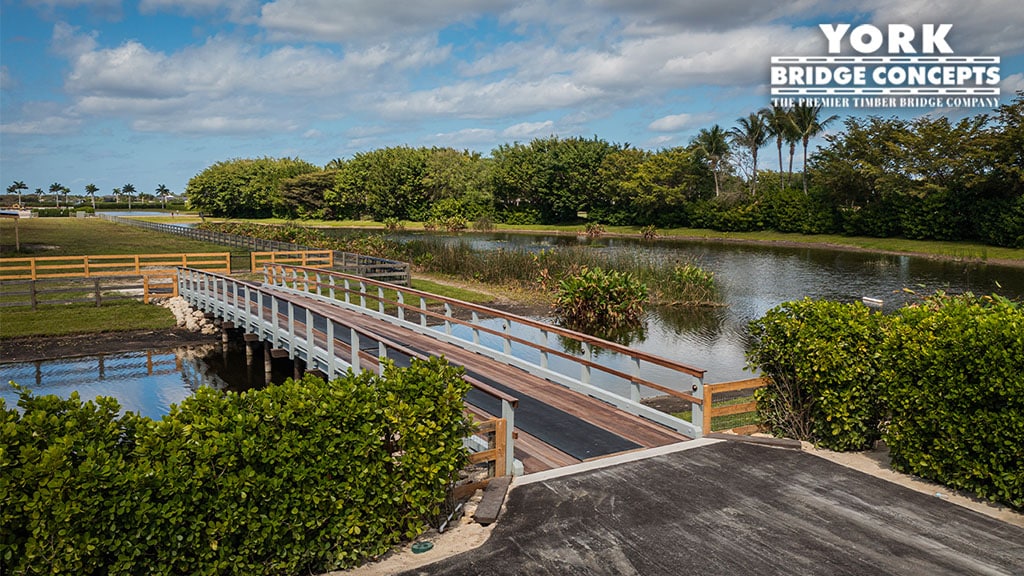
(555,426)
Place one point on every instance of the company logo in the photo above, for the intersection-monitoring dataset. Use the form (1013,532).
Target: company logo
(901,67)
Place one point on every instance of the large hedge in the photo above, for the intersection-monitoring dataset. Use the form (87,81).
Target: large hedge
(822,361)
(942,381)
(298,478)
(954,381)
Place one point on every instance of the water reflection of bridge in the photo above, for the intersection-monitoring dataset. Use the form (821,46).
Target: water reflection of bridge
(569,397)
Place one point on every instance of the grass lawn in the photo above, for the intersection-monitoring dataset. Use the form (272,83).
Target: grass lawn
(81,236)
(728,421)
(88,236)
(61,320)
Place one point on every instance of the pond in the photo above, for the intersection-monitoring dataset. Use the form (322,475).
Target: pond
(753,279)
(145,382)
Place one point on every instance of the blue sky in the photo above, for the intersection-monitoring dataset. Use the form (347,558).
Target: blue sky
(152,92)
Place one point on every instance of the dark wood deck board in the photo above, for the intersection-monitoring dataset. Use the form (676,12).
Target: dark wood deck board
(535,454)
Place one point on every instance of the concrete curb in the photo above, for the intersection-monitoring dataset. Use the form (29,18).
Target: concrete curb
(611,461)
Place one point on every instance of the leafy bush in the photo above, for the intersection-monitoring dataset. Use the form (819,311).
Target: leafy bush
(455,224)
(955,386)
(691,284)
(594,300)
(393,224)
(649,232)
(593,229)
(483,224)
(821,360)
(297,478)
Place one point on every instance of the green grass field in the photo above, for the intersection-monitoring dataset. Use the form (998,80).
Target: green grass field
(61,320)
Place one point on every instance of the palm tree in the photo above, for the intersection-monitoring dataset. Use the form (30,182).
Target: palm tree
(117,195)
(781,127)
(56,189)
(807,124)
(162,191)
(128,189)
(752,133)
(91,190)
(16,188)
(713,144)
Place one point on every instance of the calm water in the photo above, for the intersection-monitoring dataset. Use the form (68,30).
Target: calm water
(146,382)
(753,279)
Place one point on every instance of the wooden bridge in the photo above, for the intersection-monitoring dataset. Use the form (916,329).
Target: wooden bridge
(557,403)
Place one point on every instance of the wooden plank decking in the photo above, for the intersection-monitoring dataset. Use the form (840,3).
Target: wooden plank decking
(535,454)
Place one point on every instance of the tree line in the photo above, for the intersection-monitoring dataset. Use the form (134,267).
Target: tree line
(924,178)
(58,191)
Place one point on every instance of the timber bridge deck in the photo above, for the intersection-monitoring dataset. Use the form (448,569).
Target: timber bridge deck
(560,405)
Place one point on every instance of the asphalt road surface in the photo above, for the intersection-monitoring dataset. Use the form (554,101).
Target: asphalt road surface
(731,508)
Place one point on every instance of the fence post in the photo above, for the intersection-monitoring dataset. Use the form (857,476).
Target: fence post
(508,413)
(588,355)
(698,411)
(401,304)
(32,293)
(99,296)
(709,394)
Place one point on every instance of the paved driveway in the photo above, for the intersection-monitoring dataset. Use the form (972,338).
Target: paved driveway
(731,508)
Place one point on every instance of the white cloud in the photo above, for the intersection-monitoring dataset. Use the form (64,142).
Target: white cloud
(488,100)
(674,123)
(467,137)
(237,10)
(347,21)
(1011,85)
(525,130)
(982,28)
(50,125)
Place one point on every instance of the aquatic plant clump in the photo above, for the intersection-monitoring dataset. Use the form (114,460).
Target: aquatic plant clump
(595,299)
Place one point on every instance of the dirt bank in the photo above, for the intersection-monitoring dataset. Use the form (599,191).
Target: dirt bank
(49,347)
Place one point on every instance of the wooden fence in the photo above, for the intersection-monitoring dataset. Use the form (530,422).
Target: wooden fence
(711,411)
(95,290)
(381,269)
(494,431)
(314,258)
(109,265)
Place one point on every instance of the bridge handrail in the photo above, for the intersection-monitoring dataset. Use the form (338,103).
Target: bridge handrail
(195,286)
(310,280)
(557,330)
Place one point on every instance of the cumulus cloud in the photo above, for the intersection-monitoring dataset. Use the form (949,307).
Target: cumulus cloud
(236,10)
(487,100)
(347,21)
(527,130)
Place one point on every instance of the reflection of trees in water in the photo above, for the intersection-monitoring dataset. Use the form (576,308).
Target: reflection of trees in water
(624,335)
(705,321)
(196,371)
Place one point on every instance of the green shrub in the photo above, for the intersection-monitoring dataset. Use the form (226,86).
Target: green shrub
(593,229)
(298,478)
(955,387)
(821,359)
(393,224)
(483,224)
(691,284)
(597,301)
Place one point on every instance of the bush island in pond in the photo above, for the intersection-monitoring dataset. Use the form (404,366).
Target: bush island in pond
(297,478)
(596,300)
(941,381)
